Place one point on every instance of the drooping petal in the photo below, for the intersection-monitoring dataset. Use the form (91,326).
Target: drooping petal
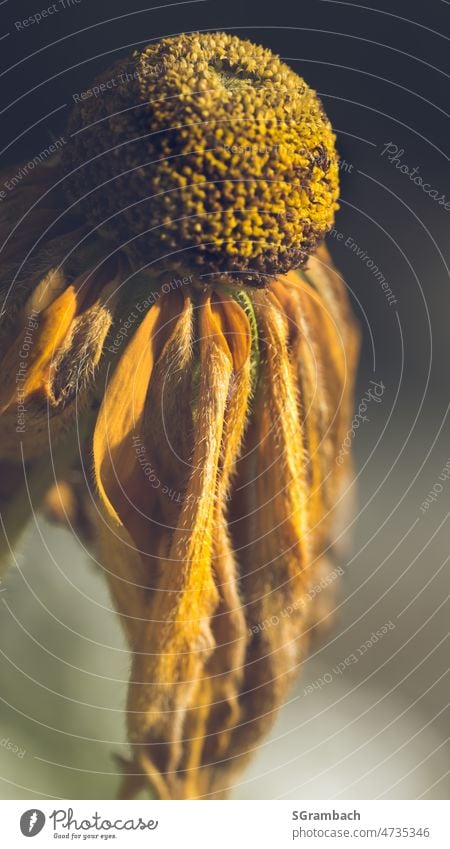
(225,667)
(127,530)
(50,364)
(270,533)
(324,351)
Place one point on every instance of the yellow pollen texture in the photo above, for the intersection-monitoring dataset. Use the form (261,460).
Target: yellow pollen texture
(209,151)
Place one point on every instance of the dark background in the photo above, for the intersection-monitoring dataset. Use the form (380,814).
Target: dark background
(381,71)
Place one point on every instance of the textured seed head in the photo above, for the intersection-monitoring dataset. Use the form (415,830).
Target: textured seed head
(208,151)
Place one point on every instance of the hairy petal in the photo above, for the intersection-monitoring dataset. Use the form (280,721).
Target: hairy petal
(225,667)
(49,367)
(270,533)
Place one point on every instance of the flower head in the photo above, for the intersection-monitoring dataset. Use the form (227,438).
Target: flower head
(210,151)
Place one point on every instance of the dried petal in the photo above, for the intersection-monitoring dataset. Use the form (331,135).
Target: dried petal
(51,363)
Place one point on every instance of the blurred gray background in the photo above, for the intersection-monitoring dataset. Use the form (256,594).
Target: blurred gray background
(379,728)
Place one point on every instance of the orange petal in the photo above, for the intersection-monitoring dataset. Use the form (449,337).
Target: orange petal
(51,330)
(270,535)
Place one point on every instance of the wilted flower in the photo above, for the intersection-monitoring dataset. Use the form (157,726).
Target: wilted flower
(212,383)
